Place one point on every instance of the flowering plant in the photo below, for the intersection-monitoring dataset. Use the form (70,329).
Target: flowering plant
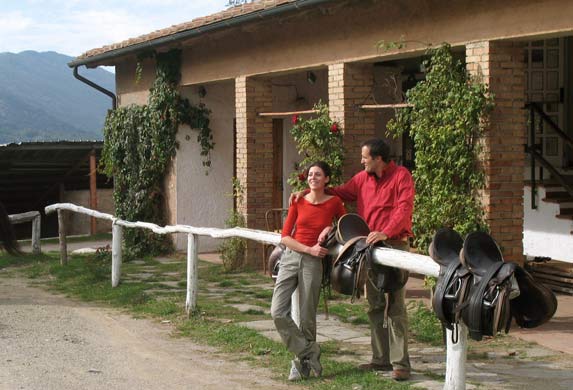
(319,138)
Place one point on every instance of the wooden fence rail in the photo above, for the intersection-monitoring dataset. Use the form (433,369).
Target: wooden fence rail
(455,354)
(36,219)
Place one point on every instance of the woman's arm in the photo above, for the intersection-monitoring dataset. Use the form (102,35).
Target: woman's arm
(293,244)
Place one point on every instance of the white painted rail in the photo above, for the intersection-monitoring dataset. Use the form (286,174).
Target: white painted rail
(455,355)
(36,219)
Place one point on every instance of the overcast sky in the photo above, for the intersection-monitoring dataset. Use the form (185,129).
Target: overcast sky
(73,27)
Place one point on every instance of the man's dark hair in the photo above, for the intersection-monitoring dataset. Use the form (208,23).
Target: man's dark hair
(322,165)
(377,147)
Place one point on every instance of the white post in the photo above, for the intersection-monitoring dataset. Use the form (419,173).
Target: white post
(192,269)
(456,358)
(116,252)
(36,233)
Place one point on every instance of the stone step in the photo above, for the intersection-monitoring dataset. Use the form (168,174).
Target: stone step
(557,197)
(551,183)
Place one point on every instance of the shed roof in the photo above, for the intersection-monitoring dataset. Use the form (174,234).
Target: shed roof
(225,19)
(31,172)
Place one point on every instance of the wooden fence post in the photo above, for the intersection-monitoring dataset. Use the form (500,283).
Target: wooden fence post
(62,235)
(36,234)
(192,269)
(116,252)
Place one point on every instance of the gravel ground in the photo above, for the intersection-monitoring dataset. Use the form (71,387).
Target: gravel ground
(51,342)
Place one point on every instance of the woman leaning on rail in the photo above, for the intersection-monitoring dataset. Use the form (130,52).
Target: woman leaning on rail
(306,226)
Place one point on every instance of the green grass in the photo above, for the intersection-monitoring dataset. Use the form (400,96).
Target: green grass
(353,313)
(7,260)
(424,325)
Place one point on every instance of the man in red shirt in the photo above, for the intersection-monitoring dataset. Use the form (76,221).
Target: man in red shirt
(384,196)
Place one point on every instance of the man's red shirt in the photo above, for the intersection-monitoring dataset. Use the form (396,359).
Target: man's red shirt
(386,203)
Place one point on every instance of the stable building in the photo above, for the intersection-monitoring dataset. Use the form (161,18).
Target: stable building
(253,64)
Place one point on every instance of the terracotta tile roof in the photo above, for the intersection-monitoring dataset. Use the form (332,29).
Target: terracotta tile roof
(244,9)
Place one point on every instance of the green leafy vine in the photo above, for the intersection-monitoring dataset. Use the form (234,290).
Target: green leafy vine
(445,123)
(140,142)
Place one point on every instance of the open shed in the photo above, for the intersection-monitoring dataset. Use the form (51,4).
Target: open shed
(36,174)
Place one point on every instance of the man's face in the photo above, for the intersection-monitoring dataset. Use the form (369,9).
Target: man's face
(371,165)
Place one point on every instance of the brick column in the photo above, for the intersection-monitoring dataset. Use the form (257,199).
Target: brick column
(501,66)
(349,86)
(254,156)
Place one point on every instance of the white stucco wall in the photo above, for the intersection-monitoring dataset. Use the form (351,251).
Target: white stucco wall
(204,200)
(544,235)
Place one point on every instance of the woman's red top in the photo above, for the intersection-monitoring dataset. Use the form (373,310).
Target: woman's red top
(305,221)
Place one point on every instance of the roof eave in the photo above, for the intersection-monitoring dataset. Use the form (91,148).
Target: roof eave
(103,58)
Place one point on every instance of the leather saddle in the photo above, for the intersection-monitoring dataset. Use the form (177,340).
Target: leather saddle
(478,287)
(487,311)
(453,280)
(354,265)
(274,260)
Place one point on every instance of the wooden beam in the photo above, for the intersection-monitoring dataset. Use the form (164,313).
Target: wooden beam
(384,106)
(288,113)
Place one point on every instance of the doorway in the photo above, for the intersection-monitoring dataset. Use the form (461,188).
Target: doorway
(277,186)
(545,86)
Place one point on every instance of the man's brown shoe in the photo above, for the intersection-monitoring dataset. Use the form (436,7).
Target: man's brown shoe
(375,367)
(401,374)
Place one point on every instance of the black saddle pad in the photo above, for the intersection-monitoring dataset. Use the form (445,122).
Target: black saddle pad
(536,303)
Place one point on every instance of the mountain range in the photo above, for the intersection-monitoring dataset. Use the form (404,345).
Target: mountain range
(40,100)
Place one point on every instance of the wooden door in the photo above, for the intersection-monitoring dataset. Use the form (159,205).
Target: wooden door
(277,186)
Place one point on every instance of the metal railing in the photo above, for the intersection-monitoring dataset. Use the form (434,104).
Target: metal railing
(535,150)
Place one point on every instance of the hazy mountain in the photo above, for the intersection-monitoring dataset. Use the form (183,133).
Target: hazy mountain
(41,100)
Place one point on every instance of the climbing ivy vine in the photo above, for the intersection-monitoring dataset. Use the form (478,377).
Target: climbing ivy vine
(140,141)
(445,122)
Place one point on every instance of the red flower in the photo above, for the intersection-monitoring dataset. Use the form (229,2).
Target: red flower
(334,128)
(294,119)
(301,177)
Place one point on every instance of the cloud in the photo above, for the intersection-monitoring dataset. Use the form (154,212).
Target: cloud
(73,27)
(13,22)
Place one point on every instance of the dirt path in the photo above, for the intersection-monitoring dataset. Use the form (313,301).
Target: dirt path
(50,342)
